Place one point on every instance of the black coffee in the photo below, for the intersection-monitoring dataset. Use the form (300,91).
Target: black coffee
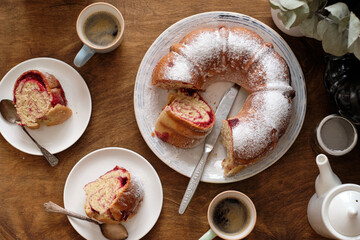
(101,28)
(230,215)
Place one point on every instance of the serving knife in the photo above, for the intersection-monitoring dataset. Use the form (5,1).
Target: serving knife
(221,113)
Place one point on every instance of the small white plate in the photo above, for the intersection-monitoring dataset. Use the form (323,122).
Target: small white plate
(150,100)
(95,164)
(55,138)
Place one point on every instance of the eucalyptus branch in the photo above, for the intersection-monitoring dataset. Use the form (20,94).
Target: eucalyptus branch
(334,25)
(320,15)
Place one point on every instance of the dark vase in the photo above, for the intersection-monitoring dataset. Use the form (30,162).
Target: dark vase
(342,82)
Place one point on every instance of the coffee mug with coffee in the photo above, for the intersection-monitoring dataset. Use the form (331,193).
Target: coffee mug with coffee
(335,136)
(231,215)
(100,26)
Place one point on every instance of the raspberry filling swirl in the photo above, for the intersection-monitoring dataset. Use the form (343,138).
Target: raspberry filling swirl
(113,197)
(106,192)
(192,108)
(31,99)
(35,94)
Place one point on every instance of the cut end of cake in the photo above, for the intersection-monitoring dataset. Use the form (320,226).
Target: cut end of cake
(228,164)
(40,98)
(186,120)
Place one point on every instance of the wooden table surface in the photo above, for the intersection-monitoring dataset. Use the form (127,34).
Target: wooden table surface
(31,29)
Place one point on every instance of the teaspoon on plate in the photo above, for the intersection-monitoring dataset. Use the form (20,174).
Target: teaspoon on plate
(8,111)
(110,231)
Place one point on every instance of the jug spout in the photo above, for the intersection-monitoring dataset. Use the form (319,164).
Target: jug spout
(327,179)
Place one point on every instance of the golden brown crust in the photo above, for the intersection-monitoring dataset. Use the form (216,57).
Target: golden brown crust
(57,115)
(33,125)
(169,132)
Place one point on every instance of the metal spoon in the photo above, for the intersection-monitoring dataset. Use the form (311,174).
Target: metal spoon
(8,111)
(110,231)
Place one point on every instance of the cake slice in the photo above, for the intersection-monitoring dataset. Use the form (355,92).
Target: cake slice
(39,97)
(113,197)
(186,120)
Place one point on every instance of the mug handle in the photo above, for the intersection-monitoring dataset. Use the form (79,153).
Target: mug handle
(83,55)
(208,235)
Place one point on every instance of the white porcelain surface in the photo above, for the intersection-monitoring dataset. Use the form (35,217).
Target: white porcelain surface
(149,100)
(334,210)
(343,211)
(55,138)
(95,164)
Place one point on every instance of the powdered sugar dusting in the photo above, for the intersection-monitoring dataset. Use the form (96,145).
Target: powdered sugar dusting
(180,69)
(254,133)
(270,68)
(137,186)
(241,45)
(277,109)
(250,138)
(273,68)
(205,49)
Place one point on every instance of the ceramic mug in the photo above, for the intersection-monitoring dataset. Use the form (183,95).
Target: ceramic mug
(231,215)
(100,26)
(335,136)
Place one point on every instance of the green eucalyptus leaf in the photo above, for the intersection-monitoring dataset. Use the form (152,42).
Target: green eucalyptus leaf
(276,5)
(309,27)
(334,42)
(292,4)
(314,6)
(343,24)
(292,12)
(322,27)
(338,11)
(354,29)
(288,18)
(356,48)
(301,14)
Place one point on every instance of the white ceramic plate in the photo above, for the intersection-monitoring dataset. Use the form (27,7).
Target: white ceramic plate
(95,164)
(55,138)
(149,100)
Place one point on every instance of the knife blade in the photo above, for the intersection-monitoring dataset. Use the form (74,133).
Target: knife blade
(221,113)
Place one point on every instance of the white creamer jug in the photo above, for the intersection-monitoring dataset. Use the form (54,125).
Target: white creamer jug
(334,210)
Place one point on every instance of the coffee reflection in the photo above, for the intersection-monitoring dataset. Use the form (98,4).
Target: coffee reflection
(231,215)
(101,29)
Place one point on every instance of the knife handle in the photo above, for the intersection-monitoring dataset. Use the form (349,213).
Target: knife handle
(194,180)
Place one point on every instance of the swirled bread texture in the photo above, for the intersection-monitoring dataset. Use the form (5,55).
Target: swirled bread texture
(113,197)
(39,98)
(186,120)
